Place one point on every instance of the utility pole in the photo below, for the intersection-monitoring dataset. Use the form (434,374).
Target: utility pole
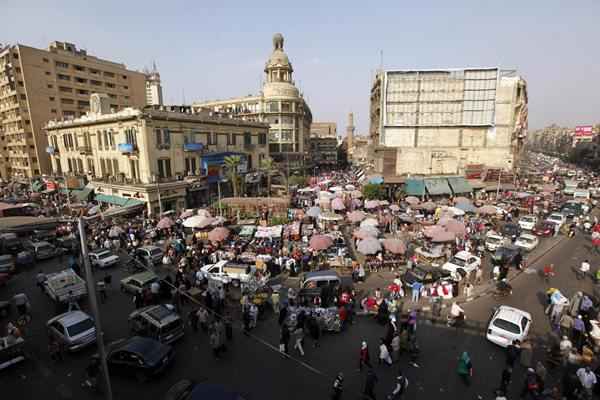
(91,287)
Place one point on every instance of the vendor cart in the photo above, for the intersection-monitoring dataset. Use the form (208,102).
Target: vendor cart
(433,256)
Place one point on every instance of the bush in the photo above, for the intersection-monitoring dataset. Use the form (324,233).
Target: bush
(372,191)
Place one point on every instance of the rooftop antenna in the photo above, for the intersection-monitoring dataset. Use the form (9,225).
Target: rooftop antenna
(183,96)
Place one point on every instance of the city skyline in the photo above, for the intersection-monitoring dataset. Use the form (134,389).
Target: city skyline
(335,49)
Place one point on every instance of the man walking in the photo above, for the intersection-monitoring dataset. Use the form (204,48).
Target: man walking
(337,387)
(587,379)
(416,291)
(370,382)
(584,269)
(364,356)
(505,379)
(512,353)
(400,388)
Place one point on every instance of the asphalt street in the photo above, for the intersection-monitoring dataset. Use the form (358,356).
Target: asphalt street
(253,366)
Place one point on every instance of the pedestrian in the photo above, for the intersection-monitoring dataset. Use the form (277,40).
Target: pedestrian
(193,318)
(587,379)
(583,270)
(228,327)
(315,330)
(284,340)
(338,387)
(400,387)
(541,373)
(364,358)
(202,317)
(478,276)
(298,338)
(246,320)
(55,349)
(384,354)
(465,368)
(531,386)
(396,347)
(513,351)
(505,379)
(40,278)
(214,343)
(275,301)
(526,354)
(565,347)
(578,332)
(566,324)
(370,382)
(416,290)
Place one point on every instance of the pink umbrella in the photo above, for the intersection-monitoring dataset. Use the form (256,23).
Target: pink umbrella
(394,246)
(338,204)
(487,210)
(395,207)
(320,242)
(366,232)
(462,199)
(431,231)
(186,214)
(356,202)
(412,200)
(218,234)
(428,205)
(444,236)
(165,223)
(356,216)
(456,227)
(371,204)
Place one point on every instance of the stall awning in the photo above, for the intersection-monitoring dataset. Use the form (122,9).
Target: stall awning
(110,199)
(82,194)
(414,187)
(437,186)
(458,184)
(37,186)
(134,202)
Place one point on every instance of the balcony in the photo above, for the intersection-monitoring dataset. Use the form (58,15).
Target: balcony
(249,147)
(84,149)
(193,147)
(127,148)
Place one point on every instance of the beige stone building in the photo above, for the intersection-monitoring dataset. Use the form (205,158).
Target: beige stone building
(281,105)
(140,155)
(38,85)
(434,122)
(323,145)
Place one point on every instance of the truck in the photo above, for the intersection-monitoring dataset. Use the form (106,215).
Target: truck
(228,272)
(64,286)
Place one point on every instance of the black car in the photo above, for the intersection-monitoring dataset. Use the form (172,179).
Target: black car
(511,230)
(508,255)
(138,356)
(189,390)
(424,274)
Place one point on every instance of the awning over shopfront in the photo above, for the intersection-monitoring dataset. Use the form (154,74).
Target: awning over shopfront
(437,186)
(414,187)
(117,200)
(459,185)
(82,194)
(37,186)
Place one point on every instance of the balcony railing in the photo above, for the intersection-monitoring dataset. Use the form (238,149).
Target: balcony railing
(127,148)
(84,149)
(193,147)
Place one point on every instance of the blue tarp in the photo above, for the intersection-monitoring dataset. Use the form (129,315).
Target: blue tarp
(437,186)
(414,187)
(459,185)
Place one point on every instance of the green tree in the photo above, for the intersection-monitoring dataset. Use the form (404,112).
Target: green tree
(231,167)
(266,165)
(372,191)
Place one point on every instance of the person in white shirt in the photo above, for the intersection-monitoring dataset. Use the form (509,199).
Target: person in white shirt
(384,354)
(587,379)
(584,269)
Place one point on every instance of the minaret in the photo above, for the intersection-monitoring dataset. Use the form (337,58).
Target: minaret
(154,94)
(350,130)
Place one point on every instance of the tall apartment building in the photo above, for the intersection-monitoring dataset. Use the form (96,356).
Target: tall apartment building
(434,122)
(38,85)
(281,105)
(323,144)
(156,155)
(154,95)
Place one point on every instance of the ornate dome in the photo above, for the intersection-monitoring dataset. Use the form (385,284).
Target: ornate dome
(278,58)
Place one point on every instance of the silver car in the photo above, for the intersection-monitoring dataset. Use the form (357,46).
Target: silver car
(74,329)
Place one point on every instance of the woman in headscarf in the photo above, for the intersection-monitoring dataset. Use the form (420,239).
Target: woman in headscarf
(465,368)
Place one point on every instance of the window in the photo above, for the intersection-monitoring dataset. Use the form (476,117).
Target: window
(285,107)
(23,97)
(50,86)
(125,87)
(131,137)
(83,103)
(109,74)
(212,138)
(79,67)
(274,148)
(115,166)
(273,106)
(111,140)
(247,139)
(190,166)
(80,80)
(163,137)
(262,139)
(230,139)
(164,168)
(45,60)
(102,167)
(95,82)
(105,135)
(110,85)
(90,166)
(63,77)
(47,72)
(80,165)
(94,71)
(70,165)
(83,92)
(124,76)
(51,98)
(61,64)
(65,89)
(67,101)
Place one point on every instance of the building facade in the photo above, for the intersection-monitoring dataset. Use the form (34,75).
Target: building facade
(165,152)
(281,105)
(434,122)
(323,145)
(38,85)
(154,95)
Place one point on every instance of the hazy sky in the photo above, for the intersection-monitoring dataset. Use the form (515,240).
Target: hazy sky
(209,50)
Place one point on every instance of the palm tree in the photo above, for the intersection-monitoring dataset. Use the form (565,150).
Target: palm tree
(231,165)
(267,166)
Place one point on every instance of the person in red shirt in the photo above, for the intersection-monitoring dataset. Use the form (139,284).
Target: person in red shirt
(364,356)
(343,313)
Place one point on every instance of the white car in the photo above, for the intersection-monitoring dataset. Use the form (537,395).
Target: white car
(527,241)
(462,264)
(493,241)
(103,259)
(557,219)
(528,222)
(507,325)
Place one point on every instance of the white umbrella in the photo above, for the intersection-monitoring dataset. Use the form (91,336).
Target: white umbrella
(198,221)
(369,222)
(204,213)
(369,246)
(313,212)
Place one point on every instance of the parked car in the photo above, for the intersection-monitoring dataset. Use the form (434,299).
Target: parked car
(424,274)
(528,222)
(159,322)
(507,255)
(68,244)
(544,229)
(189,390)
(226,272)
(571,209)
(10,243)
(103,259)
(462,262)
(74,329)
(527,241)
(508,324)
(138,356)
(511,230)
(493,241)
(557,219)
(7,264)
(150,253)
(41,250)
(135,283)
